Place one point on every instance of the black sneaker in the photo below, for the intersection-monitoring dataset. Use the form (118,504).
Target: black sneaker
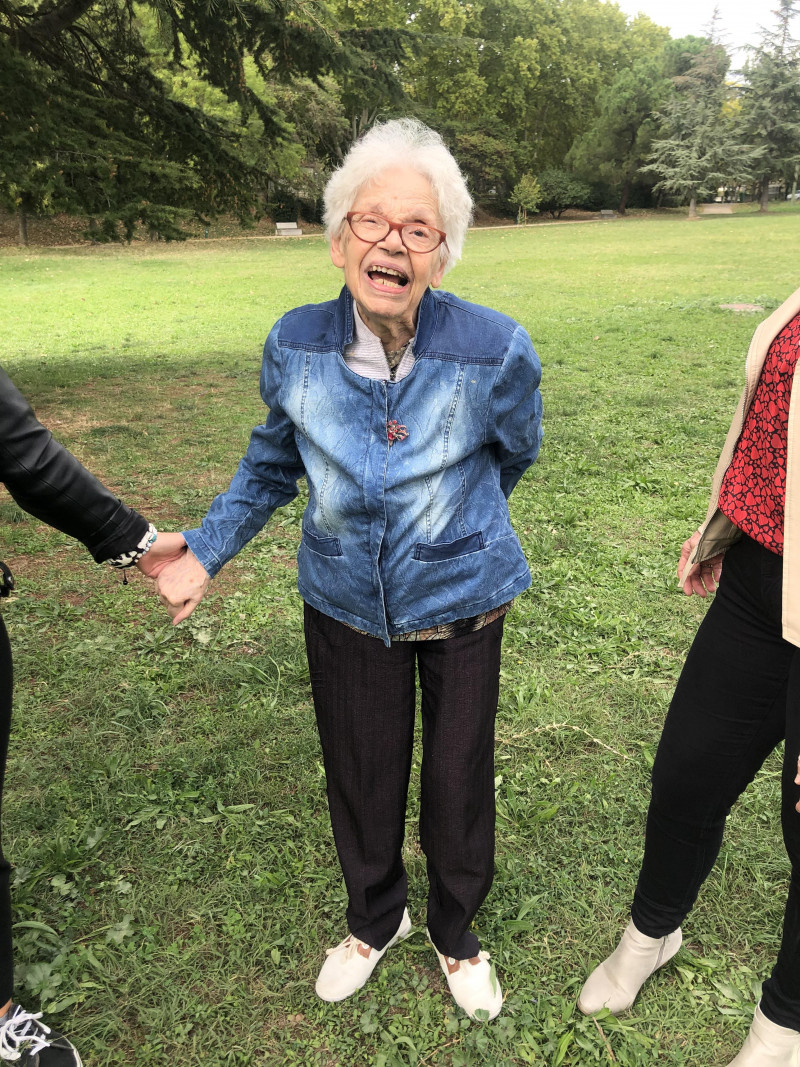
(28,1042)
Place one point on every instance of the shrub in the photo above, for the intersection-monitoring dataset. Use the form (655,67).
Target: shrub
(560,190)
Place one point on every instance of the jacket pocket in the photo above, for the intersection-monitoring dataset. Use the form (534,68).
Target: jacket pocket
(324,546)
(449,549)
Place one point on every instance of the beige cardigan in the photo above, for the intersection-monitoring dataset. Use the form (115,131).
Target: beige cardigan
(718,532)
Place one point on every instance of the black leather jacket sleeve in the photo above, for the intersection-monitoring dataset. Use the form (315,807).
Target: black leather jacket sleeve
(49,482)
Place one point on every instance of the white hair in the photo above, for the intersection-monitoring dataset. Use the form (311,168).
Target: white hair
(403,143)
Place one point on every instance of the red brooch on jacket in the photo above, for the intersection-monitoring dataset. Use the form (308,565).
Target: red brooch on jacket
(395,431)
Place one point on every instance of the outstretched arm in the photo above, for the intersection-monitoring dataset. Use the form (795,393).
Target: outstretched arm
(50,483)
(265,479)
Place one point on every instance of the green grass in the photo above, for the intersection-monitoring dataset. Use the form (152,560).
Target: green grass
(176,881)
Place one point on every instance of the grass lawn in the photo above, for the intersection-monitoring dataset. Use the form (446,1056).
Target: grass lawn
(175,879)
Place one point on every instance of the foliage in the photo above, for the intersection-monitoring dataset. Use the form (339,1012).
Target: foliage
(511,83)
(699,146)
(615,148)
(144,115)
(150,114)
(561,190)
(771,101)
(527,194)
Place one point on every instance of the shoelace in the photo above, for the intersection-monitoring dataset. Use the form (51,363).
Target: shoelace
(348,947)
(481,956)
(22,1027)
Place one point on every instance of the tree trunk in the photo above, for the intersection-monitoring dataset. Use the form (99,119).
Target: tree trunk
(623,203)
(693,207)
(764,197)
(22,226)
(794,182)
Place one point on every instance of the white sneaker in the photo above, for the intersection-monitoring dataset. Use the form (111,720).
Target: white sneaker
(617,981)
(768,1045)
(350,964)
(473,984)
(26,1041)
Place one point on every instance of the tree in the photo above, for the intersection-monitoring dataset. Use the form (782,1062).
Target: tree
(524,73)
(527,194)
(561,190)
(91,122)
(771,101)
(699,147)
(619,141)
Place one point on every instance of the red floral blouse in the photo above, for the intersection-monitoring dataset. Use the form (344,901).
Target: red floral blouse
(753,490)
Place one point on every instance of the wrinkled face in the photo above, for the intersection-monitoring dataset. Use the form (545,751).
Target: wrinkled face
(385,279)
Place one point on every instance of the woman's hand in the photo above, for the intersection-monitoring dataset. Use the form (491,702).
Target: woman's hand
(797,782)
(703,578)
(166,548)
(182,584)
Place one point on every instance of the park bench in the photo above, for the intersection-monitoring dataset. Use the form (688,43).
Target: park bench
(607,213)
(288,229)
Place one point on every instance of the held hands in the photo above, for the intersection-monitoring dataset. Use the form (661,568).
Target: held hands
(703,578)
(181,579)
(182,584)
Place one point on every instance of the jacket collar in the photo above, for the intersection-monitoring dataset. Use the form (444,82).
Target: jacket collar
(426,321)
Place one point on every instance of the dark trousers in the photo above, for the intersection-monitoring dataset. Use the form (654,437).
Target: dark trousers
(6,956)
(364,698)
(737,698)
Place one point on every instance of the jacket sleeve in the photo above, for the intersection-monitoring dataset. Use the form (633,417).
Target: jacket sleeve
(49,482)
(515,411)
(265,479)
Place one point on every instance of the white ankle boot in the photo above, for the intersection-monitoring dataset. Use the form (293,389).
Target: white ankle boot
(768,1045)
(615,983)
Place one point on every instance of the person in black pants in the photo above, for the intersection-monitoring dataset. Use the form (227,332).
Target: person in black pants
(737,699)
(48,482)
(412,415)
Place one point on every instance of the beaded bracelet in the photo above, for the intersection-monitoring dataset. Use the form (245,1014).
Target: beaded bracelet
(128,559)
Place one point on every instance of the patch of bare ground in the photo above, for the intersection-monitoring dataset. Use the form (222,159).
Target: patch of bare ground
(27,565)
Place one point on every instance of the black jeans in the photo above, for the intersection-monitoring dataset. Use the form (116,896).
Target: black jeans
(6,956)
(737,698)
(364,698)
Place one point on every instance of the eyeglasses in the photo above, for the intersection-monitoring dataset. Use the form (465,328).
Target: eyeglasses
(415,235)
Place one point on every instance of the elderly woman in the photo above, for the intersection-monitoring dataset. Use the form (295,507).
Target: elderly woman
(412,415)
(738,697)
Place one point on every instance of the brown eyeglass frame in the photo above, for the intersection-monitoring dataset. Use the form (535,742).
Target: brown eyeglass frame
(399,226)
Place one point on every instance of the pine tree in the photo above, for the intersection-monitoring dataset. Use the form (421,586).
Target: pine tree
(90,124)
(771,102)
(617,145)
(699,147)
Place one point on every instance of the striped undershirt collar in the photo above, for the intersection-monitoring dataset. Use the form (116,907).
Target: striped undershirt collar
(365,354)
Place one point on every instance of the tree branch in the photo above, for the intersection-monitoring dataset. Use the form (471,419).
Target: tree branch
(29,38)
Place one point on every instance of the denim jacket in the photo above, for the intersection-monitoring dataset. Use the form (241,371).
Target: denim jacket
(407,524)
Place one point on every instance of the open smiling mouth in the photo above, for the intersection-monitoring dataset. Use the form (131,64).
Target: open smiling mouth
(388,278)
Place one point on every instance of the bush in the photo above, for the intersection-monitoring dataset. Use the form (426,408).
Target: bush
(560,190)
